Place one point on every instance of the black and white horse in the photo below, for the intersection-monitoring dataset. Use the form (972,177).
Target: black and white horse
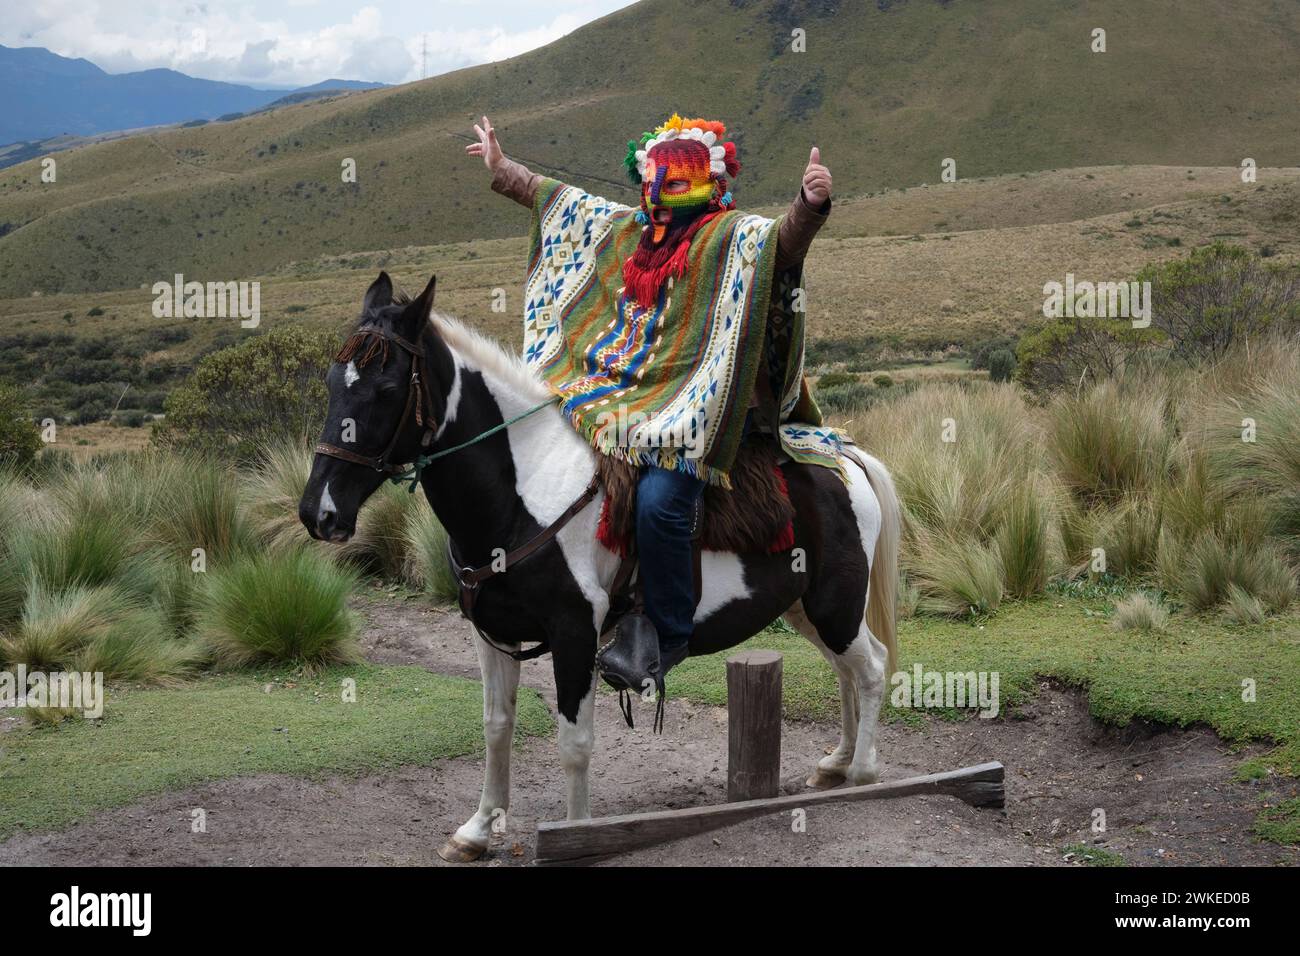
(838,586)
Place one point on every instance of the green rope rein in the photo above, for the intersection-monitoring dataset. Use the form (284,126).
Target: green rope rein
(412,474)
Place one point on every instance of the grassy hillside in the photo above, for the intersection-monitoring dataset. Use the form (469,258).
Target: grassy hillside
(888,90)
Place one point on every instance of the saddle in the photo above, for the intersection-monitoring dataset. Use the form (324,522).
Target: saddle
(755,516)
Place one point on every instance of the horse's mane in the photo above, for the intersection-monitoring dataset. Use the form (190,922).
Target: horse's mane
(483,352)
(488,355)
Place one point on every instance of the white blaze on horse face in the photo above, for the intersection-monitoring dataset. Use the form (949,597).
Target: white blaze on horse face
(327,505)
(722,580)
(350,375)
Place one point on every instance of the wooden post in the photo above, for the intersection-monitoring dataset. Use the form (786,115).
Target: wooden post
(753,725)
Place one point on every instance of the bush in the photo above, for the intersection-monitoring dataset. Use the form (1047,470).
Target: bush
(845,398)
(834,379)
(1002,365)
(20,439)
(286,607)
(266,389)
(1219,296)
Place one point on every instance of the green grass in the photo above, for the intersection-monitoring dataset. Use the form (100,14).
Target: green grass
(1280,824)
(1094,856)
(153,739)
(1192,674)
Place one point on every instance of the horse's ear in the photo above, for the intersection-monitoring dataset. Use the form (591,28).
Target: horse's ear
(379,294)
(418,311)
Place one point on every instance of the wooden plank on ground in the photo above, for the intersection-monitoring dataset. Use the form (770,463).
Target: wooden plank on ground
(581,841)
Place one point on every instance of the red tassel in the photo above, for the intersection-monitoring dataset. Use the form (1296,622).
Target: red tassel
(605,533)
(785,540)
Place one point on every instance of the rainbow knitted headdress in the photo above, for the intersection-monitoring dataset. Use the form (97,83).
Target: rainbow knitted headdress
(722,155)
(682,169)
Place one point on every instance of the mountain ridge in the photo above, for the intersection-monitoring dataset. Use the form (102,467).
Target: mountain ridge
(888,91)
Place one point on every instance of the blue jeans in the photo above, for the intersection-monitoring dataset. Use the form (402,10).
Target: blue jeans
(665,505)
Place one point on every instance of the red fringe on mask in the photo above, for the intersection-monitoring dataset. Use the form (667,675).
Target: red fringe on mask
(643,279)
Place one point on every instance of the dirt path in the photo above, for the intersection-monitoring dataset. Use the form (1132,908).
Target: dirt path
(1168,795)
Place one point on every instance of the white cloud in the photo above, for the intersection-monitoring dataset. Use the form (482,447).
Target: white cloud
(294,42)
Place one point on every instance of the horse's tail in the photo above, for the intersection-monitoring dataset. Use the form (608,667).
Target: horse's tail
(882,594)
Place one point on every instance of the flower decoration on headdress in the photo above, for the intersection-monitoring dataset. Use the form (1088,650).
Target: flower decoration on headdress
(710,133)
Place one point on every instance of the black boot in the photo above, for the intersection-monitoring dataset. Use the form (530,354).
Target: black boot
(630,661)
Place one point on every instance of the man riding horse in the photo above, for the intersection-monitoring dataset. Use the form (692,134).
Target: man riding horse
(669,333)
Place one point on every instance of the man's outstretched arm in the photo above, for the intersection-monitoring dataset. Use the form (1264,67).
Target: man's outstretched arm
(509,178)
(806,215)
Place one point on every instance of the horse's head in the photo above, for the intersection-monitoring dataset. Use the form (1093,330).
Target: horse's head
(383,407)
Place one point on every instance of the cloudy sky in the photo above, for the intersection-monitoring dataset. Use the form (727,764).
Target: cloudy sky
(293,42)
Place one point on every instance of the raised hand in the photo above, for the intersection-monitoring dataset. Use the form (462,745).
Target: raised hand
(487,146)
(816,179)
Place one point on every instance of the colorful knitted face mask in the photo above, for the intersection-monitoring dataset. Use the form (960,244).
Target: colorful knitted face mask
(682,169)
(678,186)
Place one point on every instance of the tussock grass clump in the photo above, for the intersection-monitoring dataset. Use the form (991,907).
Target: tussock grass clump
(1241,607)
(981,510)
(85,549)
(289,607)
(958,578)
(96,628)
(1140,612)
(1213,564)
(380,543)
(1025,540)
(426,566)
(1111,440)
(273,490)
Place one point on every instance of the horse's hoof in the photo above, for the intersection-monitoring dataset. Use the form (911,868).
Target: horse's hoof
(825,779)
(458,851)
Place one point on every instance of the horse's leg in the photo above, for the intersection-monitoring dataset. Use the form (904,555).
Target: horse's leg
(866,658)
(500,689)
(574,660)
(831,768)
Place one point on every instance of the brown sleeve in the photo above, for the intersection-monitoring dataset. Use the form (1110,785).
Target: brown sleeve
(516,181)
(798,228)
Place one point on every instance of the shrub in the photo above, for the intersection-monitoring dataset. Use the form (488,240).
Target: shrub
(981,353)
(1002,365)
(1140,612)
(20,439)
(845,398)
(1068,352)
(266,389)
(833,379)
(285,607)
(1219,296)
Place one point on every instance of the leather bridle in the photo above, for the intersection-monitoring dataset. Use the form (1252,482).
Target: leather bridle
(418,402)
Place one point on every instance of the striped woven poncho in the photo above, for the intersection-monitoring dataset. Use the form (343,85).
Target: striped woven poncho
(669,385)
